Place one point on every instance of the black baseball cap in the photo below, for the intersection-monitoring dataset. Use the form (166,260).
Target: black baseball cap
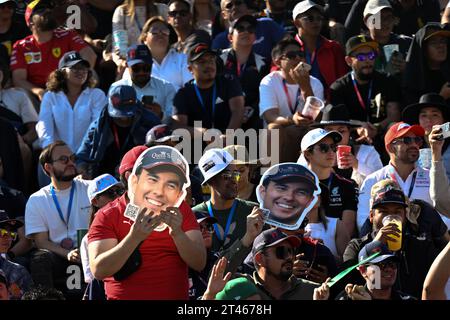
(160,133)
(11,223)
(122,102)
(359,41)
(200,216)
(139,53)
(272,237)
(162,156)
(199,50)
(248,18)
(292,171)
(71,58)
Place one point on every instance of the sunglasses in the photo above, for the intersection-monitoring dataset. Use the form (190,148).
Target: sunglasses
(284,252)
(181,13)
(146,68)
(311,18)
(366,56)
(409,140)
(112,193)
(325,148)
(65,159)
(155,31)
(235,175)
(232,4)
(294,54)
(249,29)
(207,227)
(388,264)
(6,233)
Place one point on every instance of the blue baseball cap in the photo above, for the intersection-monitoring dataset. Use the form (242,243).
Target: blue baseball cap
(139,53)
(376,246)
(122,102)
(292,171)
(101,184)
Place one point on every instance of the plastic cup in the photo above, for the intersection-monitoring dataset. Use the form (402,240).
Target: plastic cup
(312,107)
(120,40)
(397,245)
(341,151)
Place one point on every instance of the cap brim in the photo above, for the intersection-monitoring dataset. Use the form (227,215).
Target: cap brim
(416,129)
(201,54)
(371,44)
(73,63)
(12,223)
(376,204)
(167,138)
(181,172)
(294,177)
(411,113)
(378,259)
(206,180)
(336,136)
(443,33)
(307,8)
(122,113)
(295,242)
(107,188)
(211,220)
(131,63)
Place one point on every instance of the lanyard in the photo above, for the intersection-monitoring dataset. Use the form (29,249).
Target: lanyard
(411,186)
(58,207)
(358,94)
(310,57)
(116,136)
(239,68)
(293,108)
(330,180)
(230,218)
(200,99)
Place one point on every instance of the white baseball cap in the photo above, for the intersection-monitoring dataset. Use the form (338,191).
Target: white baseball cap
(304,6)
(375,6)
(101,184)
(314,136)
(213,162)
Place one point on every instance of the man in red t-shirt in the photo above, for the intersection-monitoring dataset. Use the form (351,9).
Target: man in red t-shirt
(36,56)
(167,238)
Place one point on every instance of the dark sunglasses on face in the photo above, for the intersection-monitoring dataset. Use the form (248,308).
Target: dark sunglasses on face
(387,264)
(324,148)
(7,233)
(207,227)
(311,18)
(181,13)
(294,54)
(65,159)
(235,175)
(232,4)
(366,56)
(410,140)
(249,29)
(146,68)
(284,252)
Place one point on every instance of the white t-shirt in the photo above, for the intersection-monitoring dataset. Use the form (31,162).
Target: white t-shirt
(88,276)
(272,94)
(58,120)
(173,69)
(18,102)
(41,214)
(317,231)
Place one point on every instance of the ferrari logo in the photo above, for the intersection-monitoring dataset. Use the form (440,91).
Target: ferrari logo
(56,52)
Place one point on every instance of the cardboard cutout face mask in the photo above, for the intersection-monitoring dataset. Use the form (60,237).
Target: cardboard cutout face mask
(287,192)
(158,181)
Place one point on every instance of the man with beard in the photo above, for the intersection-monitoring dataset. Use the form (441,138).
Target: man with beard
(216,100)
(161,92)
(223,176)
(54,214)
(273,255)
(36,56)
(278,11)
(402,142)
(371,97)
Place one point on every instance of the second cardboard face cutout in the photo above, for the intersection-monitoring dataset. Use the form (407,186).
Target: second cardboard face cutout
(287,192)
(159,180)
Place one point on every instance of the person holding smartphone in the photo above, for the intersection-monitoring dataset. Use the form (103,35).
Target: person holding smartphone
(439,182)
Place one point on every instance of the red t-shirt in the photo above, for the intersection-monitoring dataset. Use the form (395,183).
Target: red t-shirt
(163,275)
(40,59)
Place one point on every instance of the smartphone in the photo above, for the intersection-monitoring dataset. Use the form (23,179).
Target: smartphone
(249,112)
(147,99)
(445,130)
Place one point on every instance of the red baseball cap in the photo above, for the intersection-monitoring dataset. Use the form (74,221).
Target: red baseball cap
(399,130)
(130,158)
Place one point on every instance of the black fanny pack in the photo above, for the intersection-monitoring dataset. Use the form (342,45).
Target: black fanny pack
(131,265)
